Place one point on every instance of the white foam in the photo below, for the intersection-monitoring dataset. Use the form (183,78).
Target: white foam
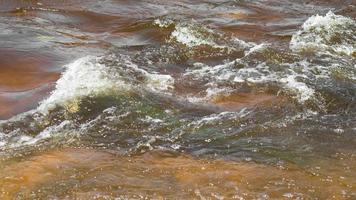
(88,76)
(163,23)
(150,119)
(2,139)
(189,36)
(303,92)
(154,81)
(192,34)
(84,77)
(331,32)
(16,138)
(160,82)
(47,133)
(218,117)
(256,48)
(221,76)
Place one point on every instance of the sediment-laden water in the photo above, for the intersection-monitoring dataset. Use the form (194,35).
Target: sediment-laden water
(177,99)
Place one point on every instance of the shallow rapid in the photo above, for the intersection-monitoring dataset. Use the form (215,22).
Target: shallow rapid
(177,99)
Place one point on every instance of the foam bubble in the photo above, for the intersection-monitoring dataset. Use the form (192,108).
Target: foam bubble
(224,78)
(326,34)
(192,35)
(153,81)
(91,76)
(163,23)
(85,76)
(302,90)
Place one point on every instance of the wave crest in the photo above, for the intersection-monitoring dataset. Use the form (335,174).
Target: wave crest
(330,33)
(91,76)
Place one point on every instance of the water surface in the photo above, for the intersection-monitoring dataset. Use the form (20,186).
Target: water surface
(177,99)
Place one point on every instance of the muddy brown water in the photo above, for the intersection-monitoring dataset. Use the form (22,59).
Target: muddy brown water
(86,174)
(210,135)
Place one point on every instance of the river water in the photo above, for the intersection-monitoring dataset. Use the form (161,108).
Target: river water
(204,99)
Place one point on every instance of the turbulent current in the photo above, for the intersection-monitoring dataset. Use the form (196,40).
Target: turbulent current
(177,99)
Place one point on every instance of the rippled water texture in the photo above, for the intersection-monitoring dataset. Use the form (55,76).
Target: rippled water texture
(212,99)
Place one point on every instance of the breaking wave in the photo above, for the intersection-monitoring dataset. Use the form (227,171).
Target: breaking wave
(133,101)
(91,76)
(326,34)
